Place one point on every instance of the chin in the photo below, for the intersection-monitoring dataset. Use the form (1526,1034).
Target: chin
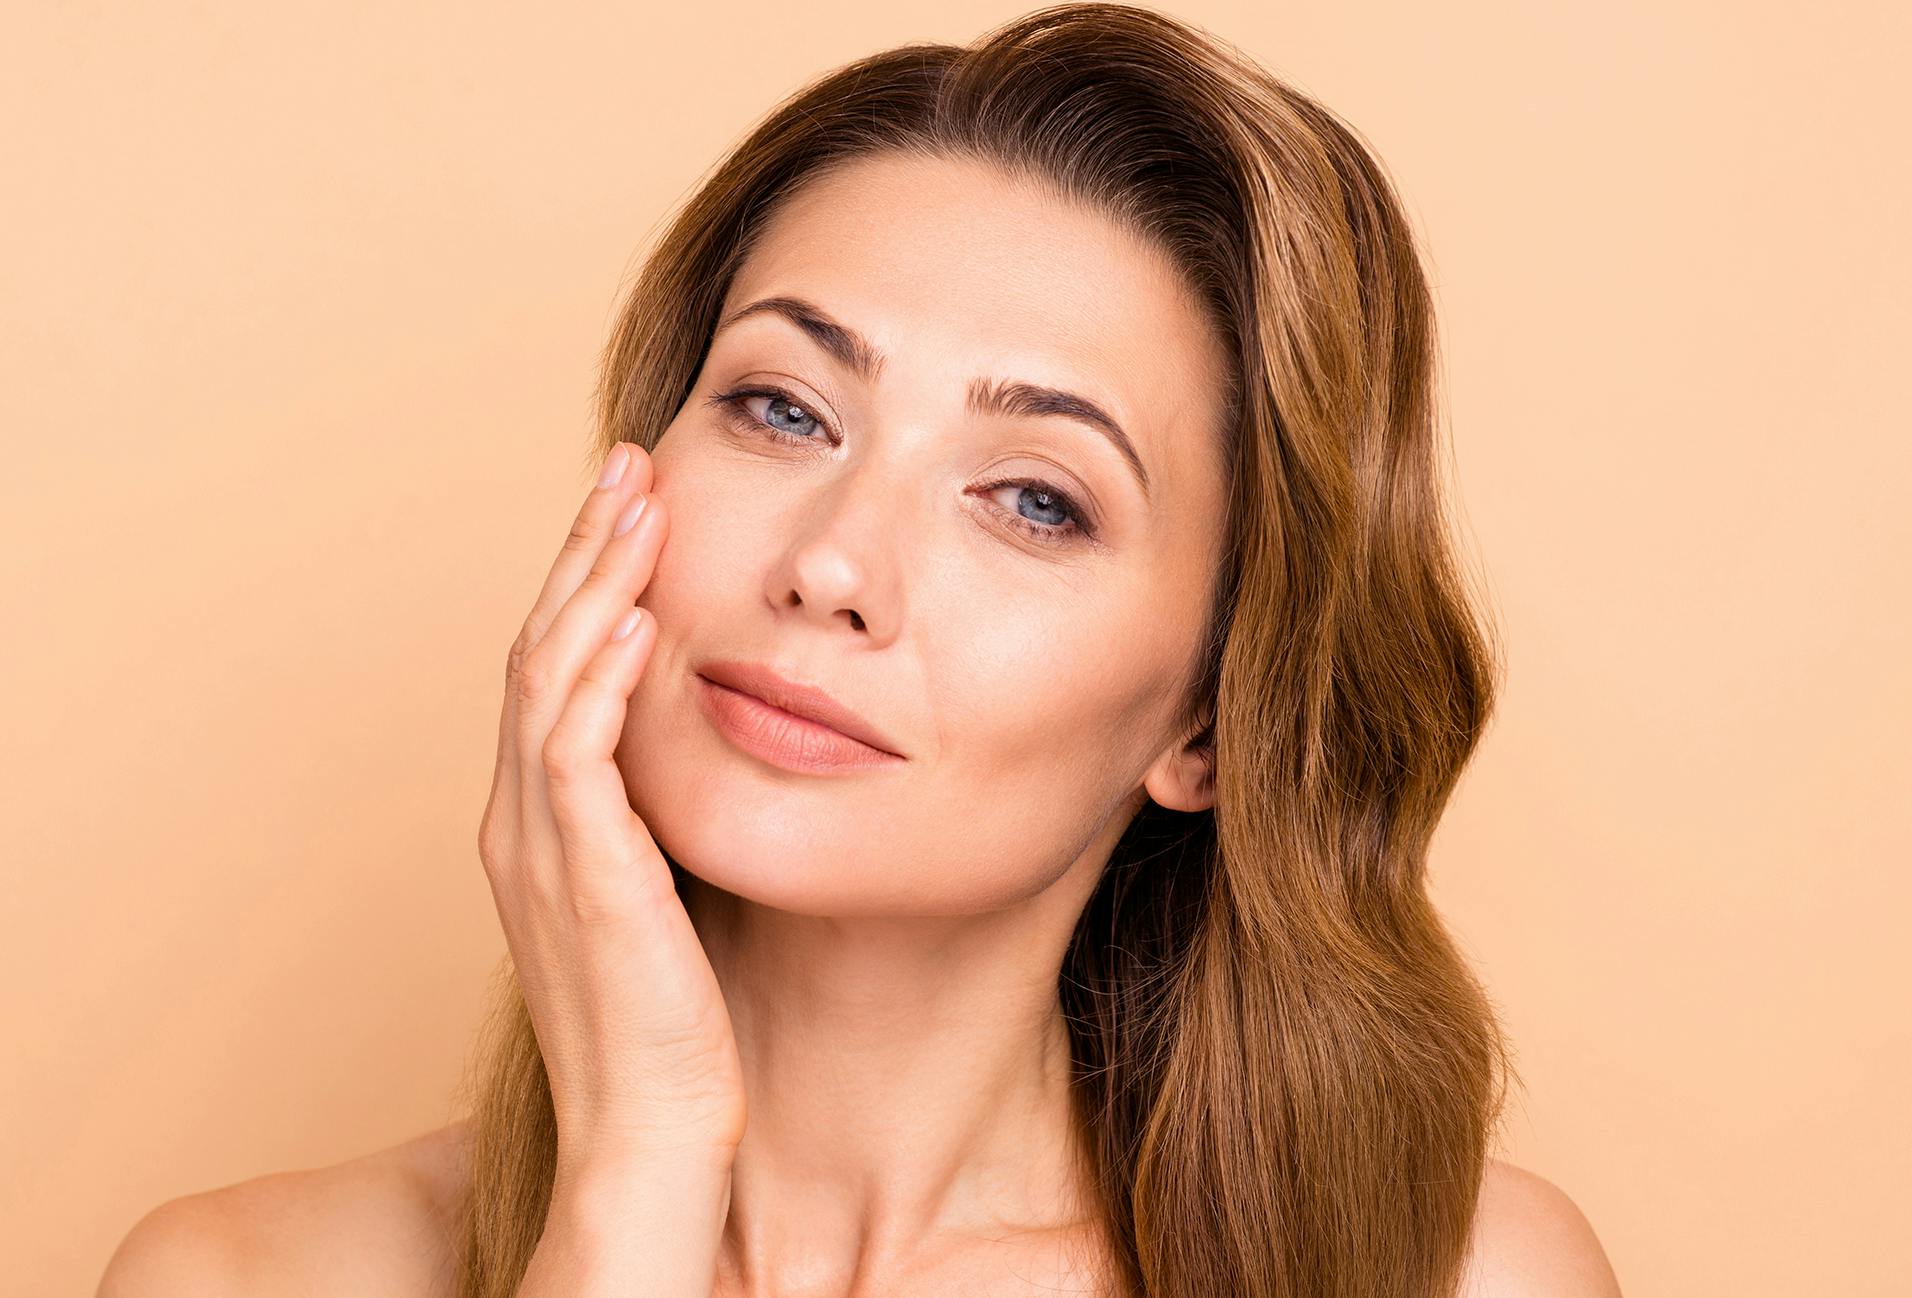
(764,862)
(753,853)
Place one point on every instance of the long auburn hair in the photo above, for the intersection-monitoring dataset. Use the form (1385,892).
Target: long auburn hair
(1286,1076)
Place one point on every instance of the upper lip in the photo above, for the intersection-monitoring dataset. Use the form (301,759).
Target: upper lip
(806,701)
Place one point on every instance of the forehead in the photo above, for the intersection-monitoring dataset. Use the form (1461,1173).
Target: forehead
(952,269)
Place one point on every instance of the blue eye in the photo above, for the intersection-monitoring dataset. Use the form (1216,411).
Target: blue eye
(1048,533)
(791,409)
(782,409)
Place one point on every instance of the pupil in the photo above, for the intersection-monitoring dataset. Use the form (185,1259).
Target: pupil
(791,409)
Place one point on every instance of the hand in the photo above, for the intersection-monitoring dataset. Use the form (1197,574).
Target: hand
(636,1039)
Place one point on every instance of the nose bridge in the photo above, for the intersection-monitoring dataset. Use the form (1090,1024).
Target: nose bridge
(882,485)
(849,544)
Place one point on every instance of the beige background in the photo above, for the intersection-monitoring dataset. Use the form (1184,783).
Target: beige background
(302,305)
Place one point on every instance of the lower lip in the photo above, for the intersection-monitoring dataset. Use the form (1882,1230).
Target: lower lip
(782,738)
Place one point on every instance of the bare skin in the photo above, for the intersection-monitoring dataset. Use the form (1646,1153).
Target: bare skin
(886,944)
(378,1226)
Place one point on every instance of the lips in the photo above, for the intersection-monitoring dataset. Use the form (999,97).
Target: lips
(806,701)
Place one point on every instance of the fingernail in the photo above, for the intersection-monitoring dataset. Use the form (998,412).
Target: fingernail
(614,466)
(628,519)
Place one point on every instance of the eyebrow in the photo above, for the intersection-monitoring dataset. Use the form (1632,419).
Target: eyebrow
(1004,397)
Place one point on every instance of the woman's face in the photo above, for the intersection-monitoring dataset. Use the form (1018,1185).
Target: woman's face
(849,537)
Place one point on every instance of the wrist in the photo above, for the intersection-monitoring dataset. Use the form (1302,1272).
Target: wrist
(661,1174)
(660,1218)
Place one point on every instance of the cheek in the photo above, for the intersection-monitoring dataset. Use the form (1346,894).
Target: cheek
(711,554)
(1036,701)
(1043,743)
(1044,674)
(1068,742)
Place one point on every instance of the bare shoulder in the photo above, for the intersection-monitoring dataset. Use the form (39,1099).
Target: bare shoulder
(1532,1241)
(379,1224)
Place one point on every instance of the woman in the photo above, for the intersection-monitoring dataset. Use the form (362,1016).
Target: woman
(963,791)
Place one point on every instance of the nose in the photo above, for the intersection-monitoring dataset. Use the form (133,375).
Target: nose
(841,566)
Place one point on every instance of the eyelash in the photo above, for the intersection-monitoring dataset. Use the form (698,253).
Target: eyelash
(732,403)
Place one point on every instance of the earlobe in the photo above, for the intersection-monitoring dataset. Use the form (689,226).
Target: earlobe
(1184,780)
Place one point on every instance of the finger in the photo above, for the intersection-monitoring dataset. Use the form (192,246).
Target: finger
(551,671)
(607,591)
(607,847)
(624,471)
(590,531)
(584,549)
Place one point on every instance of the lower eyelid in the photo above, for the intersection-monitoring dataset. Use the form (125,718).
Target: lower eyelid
(1079,528)
(736,403)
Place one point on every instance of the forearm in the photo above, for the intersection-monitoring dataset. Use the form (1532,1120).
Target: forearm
(648,1231)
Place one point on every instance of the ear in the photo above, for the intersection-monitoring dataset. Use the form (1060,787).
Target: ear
(1183,777)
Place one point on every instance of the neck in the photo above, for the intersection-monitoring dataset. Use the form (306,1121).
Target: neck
(908,1081)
